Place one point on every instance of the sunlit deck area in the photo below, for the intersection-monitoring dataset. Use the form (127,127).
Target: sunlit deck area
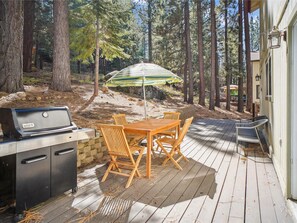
(216,185)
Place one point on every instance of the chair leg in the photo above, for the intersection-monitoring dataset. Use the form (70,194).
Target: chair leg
(130,178)
(114,160)
(135,169)
(175,163)
(170,157)
(182,156)
(111,165)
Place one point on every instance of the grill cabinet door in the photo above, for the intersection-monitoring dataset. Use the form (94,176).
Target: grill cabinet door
(33,178)
(63,168)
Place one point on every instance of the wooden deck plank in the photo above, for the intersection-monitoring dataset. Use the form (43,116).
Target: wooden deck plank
(237,208)
(207,212)
(240,191)
(84,204)
(252,210)
(132,192)
(224,201)
(267,211)
(137,207)
(281,211)
(145,215)
(207,172)
(195,205)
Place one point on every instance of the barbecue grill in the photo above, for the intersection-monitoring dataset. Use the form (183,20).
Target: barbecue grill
(38,154)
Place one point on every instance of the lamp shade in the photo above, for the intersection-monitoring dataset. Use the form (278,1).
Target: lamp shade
(274,38)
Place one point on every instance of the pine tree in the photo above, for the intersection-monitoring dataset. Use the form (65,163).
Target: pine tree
(228,96)
(29,15)
(249,77)
(189,51)
(240,59)
(200,54)
(61,54)
(213,56)
(11,47)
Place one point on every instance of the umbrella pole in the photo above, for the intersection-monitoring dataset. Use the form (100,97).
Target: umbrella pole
(144,98)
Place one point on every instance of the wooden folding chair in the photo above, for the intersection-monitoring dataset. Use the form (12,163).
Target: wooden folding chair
(175,145)
(171,132)
(171,115)
(120,152)
(120,119)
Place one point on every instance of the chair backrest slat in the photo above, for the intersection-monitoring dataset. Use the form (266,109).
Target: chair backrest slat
(171,115)
(183,132)
(120,119)
(115,139)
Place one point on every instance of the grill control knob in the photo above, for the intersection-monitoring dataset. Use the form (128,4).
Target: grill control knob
(44,114)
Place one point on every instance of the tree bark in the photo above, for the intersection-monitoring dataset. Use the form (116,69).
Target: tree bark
(96,82)
(189,51)
(61,54)
(78,63)
(29,9)
(150,44)
(200,54)
(213,56)
(249,76)
(185,85)
(36,52)
(217,81)
(11,45)
(228,96)
(240,58)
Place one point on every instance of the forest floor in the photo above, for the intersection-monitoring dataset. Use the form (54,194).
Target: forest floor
(89,111)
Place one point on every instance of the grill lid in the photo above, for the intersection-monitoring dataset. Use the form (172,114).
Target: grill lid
(23,123)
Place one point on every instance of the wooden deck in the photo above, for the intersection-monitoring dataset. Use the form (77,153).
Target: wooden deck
(216,185)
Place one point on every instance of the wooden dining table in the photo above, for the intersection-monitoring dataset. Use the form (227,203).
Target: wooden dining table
(149,128)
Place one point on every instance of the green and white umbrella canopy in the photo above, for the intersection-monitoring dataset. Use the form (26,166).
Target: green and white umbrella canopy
(143,74)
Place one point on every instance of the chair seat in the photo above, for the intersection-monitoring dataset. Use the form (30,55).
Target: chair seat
(250,132)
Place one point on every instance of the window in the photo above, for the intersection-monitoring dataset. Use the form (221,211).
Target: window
(257,91)
(268,78)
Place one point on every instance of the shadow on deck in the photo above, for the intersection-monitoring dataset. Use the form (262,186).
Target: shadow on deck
(216,185)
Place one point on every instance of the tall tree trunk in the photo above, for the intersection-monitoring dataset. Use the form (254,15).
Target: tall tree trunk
(249,77)
(78,63)
(150,44)
(61,55)
(240,59)
(96,82)
(217,82)
(213,56)
(189,51)
(11,46)
(228,96)
(36,52)
(185,85)
(200,54)
(29,9)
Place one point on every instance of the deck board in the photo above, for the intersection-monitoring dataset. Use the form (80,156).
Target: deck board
(216,185)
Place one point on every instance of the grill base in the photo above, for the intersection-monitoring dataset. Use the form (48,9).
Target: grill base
(34,176)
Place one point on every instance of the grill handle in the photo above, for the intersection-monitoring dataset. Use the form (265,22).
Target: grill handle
(64,152)
(34,160)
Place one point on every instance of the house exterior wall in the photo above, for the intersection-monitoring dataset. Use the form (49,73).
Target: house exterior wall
(277,106)
(255,70)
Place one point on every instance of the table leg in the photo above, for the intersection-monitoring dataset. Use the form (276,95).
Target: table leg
(148,155)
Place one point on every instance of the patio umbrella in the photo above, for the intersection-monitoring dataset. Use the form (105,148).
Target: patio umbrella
(143,74)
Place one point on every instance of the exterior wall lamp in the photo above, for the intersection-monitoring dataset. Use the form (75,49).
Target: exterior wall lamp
(257,77)
(274,38)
